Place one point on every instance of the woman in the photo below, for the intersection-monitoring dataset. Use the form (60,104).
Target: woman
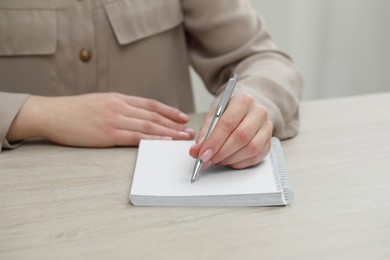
(111,72)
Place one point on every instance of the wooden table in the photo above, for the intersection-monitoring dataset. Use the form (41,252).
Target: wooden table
(69,203)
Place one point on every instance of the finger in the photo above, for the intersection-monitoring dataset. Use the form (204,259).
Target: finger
(253,149)
(231,118)
(150,128)
(253,160)
(129,138)
(158,107)
(242,135)
(206,124)
(154,117)
(194,150)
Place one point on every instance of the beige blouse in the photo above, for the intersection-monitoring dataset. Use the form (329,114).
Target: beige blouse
(141,48)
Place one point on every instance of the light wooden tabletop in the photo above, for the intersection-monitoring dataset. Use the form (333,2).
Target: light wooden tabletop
(69,203)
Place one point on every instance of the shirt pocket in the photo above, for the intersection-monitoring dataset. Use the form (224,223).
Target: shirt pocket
(138,19)
(28,32)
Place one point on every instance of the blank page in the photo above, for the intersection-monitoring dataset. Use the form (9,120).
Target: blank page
(164,168)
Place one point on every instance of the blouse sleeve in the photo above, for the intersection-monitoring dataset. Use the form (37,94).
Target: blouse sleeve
(10,105)
(229,35)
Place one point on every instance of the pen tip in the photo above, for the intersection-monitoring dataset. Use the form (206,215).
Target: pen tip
(192,180)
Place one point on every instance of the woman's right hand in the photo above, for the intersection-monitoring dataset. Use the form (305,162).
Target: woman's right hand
(98,120)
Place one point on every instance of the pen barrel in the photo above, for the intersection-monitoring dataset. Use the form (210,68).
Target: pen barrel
(223,102)
(212,126)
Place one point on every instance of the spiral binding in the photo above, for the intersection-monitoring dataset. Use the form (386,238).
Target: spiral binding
(279,171)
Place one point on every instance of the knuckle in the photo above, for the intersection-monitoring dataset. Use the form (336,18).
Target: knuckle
(136,138)
(147,127)
(263,112)
(229,124)
(152,104)
(243,136)
(246,99)
(113,103)
(156,118)
(253,148)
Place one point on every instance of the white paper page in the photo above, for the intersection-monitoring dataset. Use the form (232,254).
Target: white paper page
(164,168)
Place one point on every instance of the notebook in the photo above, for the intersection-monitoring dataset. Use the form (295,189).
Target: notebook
(163,171)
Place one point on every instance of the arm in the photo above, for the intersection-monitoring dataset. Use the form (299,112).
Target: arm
(226,36)
(97,120)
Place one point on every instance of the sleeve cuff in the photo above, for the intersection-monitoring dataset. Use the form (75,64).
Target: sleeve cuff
(10,104)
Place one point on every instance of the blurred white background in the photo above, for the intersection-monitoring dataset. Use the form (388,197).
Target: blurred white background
(342,47)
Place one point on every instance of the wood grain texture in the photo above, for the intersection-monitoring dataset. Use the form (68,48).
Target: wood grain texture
(71,203)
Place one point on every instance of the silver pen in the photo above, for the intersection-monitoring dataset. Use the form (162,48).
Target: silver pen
(222,104)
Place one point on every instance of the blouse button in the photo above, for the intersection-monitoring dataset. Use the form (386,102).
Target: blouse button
(85,55)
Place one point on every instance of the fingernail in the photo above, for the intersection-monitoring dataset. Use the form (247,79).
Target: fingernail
(183,116)
(190,131)
(206,155)
(184,134)
(166,138)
